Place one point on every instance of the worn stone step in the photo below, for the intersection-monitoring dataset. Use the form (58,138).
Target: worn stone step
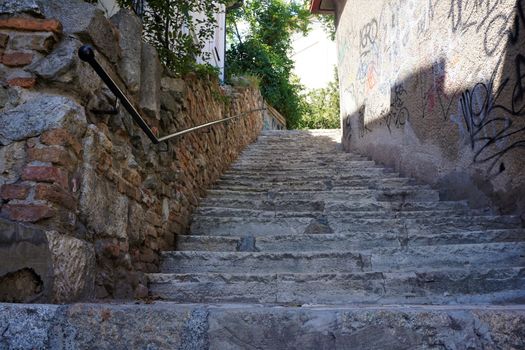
(301,168)
(329,205)
(301,225)
(332,241)
(306,177)
(167,325)
(378,259)
(263,156)
(326,172)
(204,211)
(313,185)
(299,163)
(406,194)
(449,286)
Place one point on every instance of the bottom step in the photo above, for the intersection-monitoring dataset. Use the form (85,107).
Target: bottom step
(175,326)
(192,326)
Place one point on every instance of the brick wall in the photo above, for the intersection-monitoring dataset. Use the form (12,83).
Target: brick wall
(103,199)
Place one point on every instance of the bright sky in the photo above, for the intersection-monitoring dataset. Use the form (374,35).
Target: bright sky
(315,58)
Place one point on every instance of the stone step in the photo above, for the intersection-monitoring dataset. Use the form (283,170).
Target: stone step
(450,286)
(302,167)
(248,184)
(331,241)
(165,325)
(298,163)
(232,226)
(205,211)
(406,194)
(262,156)
(329,205)
(420,258)
(309,177)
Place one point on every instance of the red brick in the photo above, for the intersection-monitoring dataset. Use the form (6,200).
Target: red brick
(46,174)
(27,212)
(31,24)
(61,137)
(17,59)
(14,191)
(54,155)
(26,83)
(55,194)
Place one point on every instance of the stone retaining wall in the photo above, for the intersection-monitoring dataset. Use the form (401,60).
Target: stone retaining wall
(74,168)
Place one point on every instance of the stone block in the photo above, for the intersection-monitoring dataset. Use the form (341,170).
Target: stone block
(130,29)
(150,81)
(4,39)
(103,208)
(20,6)
(87,22)
(41,42)
(173,84)
(73,267)
(39,114)
(59,63)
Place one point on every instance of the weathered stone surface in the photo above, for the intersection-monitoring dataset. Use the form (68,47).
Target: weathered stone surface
(12,160)
(20,6)
(27,328)
(137,226)
(38,114)
(150,81)
(103,209)
(172,326)
(85,20)
(172,84)
(73,267)
(40,42)
(25,248)
(60,64)
(129,66)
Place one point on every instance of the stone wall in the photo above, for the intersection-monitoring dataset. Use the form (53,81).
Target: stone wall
(436,90)
(98,201)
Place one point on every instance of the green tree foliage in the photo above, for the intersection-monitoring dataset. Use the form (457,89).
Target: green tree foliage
(263,50)
(322,107)
(170,26)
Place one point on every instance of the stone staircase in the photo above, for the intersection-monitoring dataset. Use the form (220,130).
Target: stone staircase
(303,246)
(298,222)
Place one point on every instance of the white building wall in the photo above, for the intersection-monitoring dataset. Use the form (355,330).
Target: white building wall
(214,48)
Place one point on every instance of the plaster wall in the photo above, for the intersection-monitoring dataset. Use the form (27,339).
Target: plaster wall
(435,89)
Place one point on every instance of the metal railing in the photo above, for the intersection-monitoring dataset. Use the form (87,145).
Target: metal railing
(87,54)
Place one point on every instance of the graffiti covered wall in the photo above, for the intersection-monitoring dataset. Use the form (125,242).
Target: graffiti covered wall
(435,88)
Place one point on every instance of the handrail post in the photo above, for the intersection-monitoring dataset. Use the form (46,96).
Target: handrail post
(87,54)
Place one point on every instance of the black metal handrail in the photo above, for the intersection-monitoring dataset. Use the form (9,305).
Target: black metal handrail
(87,54)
